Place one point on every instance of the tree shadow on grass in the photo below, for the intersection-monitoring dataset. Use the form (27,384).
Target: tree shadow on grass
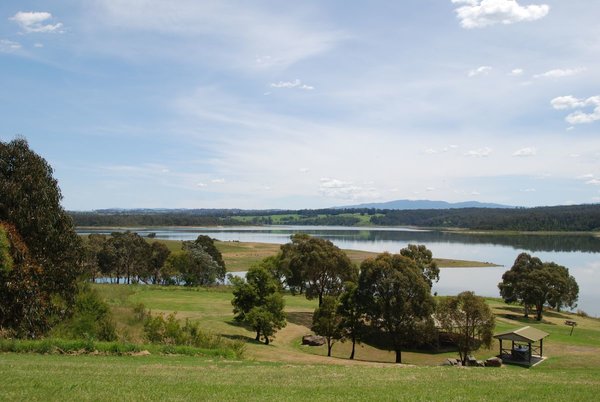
(300,318)
(524,320)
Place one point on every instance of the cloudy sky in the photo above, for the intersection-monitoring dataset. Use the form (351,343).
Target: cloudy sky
(279,104)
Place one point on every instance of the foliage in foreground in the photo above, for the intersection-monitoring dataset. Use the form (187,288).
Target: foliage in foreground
(42,283)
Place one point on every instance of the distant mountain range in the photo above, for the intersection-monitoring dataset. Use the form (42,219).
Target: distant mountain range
(425,204)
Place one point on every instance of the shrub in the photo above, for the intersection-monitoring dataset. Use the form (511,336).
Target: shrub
(91,319)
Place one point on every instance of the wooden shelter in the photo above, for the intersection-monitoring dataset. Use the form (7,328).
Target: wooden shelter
(527,346)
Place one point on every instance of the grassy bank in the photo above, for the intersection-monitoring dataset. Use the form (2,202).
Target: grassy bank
(239,256)
(46,378)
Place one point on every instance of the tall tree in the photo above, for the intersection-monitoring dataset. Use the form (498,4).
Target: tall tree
(258,303)
(318,266)
(469,319)
(534,284)
(30,201)
(92,247)
(396,297)
(326,322)
(208,245)
(423,257)
(159,252)
(351,323)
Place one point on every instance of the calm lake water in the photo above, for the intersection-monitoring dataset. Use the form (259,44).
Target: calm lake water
(581,254)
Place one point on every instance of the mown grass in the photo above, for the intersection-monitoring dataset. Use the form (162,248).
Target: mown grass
(37,377)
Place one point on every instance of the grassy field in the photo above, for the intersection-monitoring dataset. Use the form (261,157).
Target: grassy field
(285,370)
(239,256)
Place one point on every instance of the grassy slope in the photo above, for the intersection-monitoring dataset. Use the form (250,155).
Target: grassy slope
(285,370)
(239,256)
(184,378)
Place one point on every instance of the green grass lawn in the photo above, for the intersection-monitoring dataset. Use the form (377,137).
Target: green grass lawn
(39,377)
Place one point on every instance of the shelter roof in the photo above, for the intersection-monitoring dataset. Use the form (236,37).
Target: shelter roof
(525,334)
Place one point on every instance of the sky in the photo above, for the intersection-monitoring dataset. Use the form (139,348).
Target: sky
(307,104)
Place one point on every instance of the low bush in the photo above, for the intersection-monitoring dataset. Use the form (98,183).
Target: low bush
(91,319)
(169,332)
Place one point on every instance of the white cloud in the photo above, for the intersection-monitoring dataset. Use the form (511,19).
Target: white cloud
(218,181)
(8,46)
(430,189)
(201,184)
(528,190)
(38,45)
(527,151)
(33,22)
(475,192)
(304,170)
(482,13)
(586,176)
(578,117)
(481,152)
(517,72)
(594,182)
(560,73)
(483,70)
(335,188)
(430,151)
(292,84)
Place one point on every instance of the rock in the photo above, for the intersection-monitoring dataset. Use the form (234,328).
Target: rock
(493,362)
(452,362)
(313,340)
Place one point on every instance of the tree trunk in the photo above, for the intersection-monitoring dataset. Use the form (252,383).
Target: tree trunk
(526,311)
(353,347)
(398,356)
(538,312)
(257,335)
(320,299)
(266,340)
(329,345)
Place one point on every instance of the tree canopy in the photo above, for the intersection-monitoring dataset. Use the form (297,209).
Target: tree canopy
(317,266)
(423,258)
(534,283)
(468,319)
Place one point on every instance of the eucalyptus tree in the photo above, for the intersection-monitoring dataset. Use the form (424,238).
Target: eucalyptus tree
(30,202)
(327,322)
(317,266)
(534,283)
(396,299)
(423,258)
(469,320)
(258,303)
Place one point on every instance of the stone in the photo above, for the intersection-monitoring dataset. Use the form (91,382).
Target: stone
(493,362)
(313,340)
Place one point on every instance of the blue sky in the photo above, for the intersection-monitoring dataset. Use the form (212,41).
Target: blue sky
(272,104)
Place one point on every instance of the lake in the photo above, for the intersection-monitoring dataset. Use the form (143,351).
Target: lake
(579,253)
